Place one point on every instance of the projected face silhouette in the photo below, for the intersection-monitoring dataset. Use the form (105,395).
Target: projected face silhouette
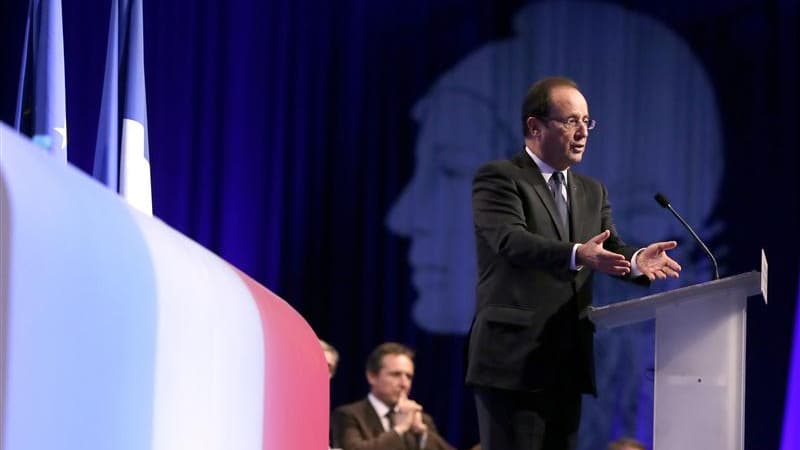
(434,210)
(658,130)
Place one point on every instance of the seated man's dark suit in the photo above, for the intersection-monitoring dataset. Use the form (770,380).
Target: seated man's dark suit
(357,427)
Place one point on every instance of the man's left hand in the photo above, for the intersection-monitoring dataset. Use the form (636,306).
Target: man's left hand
(654,262)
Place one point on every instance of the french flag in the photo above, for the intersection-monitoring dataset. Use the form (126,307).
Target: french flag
(122,156)
(118,332)
(41,111)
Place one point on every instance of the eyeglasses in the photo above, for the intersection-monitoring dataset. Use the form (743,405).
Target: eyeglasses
(573,122)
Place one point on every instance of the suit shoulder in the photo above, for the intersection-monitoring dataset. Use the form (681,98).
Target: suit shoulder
(502,167)
(588,181)
(428,419)
(351,408)
(498,164)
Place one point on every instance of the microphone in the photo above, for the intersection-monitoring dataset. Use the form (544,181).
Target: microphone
(662,200)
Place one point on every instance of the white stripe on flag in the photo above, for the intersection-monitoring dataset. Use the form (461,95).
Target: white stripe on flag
(209,380)
(135,168)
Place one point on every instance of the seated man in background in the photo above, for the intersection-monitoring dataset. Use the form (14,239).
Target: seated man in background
(626,444)
(331,357)
(387,419)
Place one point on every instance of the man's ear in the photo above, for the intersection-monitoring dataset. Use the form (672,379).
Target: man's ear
(533,126)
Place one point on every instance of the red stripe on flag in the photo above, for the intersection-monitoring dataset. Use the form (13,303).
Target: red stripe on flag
(296,382)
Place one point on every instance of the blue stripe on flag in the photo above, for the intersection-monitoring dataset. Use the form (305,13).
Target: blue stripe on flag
(41,101)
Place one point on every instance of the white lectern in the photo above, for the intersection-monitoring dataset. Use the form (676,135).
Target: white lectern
(699,360)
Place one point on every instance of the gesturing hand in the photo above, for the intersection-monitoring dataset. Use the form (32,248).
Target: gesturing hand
(654,262)
(592,254)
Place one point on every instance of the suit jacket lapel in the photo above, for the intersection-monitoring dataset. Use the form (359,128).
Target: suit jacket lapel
(534,177)
(576,206)
(371,419)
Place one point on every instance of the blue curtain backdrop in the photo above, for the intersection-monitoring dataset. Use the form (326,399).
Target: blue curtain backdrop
(282,134)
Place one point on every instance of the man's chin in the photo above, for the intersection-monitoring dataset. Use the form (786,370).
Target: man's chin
(575,158)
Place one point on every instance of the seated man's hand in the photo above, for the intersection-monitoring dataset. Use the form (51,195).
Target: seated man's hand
(405,414)
(418,426)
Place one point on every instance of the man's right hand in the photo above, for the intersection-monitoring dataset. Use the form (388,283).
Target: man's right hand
(592,254)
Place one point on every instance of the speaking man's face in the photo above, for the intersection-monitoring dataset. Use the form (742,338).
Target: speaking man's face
(562,146)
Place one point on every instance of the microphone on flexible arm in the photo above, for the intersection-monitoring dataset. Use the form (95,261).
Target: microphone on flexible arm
(662,200)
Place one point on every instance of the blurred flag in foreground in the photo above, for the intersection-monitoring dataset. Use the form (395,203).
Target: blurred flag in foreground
(122,159)
(41,107)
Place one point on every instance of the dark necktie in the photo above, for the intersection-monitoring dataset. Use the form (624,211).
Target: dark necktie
(556,181)
(390,418)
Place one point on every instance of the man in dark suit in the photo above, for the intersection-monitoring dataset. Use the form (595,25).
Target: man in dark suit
(541,231)
(387,419)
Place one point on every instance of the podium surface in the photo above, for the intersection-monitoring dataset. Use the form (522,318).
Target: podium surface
(700,337)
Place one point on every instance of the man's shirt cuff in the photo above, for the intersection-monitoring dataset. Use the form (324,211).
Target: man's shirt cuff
(572,265)
(635,271)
